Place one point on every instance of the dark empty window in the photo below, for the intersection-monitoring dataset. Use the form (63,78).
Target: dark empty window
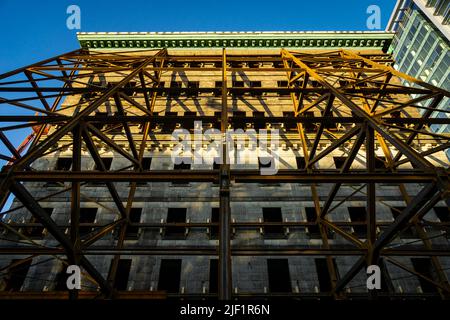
(239,114)
(161,85)
(255,84)
(301,163)
(181,166)
(146,163)
(238,84)
(279,276)
(216,164)
(380,162)
(311,216)
(214,231)
(106,162)
(291,125)
(309,126)
(359,215)
(63,164)
(100,124)
(129,88)
(343,83)
(218,88)
(238,123)
(273,215)
(16,275)
(339,162)
(122,274)
(425,268)
(193,88)
(36,232)
(396,114)
(329,125)
(169,275)
(115,128)
(87,216)
(213,275)
(61,279)
(175,215)
(409,233)
(323,275)
(175,86)
(135,217)
(153,124)
(386,281)
(170,124)
(443,213)
(315,83)
(259,124)
(189,123)
(282,84)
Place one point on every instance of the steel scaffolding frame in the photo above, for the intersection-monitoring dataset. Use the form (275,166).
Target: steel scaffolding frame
(367,89)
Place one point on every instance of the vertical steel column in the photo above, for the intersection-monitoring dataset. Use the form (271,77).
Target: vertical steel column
(371,194)
(75,204)
(225,281)
(371,220)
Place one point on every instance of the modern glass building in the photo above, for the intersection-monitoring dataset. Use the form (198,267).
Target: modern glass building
(421,46)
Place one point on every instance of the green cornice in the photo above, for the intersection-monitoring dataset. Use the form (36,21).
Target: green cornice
(244,40)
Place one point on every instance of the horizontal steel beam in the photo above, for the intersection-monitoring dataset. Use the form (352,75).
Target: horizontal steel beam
(236,90)
(248,176)
(116,119)
(235,250)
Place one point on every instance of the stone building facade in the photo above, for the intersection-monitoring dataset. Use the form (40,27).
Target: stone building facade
(283,259)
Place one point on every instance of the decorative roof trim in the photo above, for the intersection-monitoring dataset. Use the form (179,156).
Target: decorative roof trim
(245,40)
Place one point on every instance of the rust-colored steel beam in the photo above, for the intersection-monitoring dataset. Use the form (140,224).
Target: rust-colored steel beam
(354,98)
(41,215)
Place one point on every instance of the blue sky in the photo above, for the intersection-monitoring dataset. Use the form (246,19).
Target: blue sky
(33,31)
